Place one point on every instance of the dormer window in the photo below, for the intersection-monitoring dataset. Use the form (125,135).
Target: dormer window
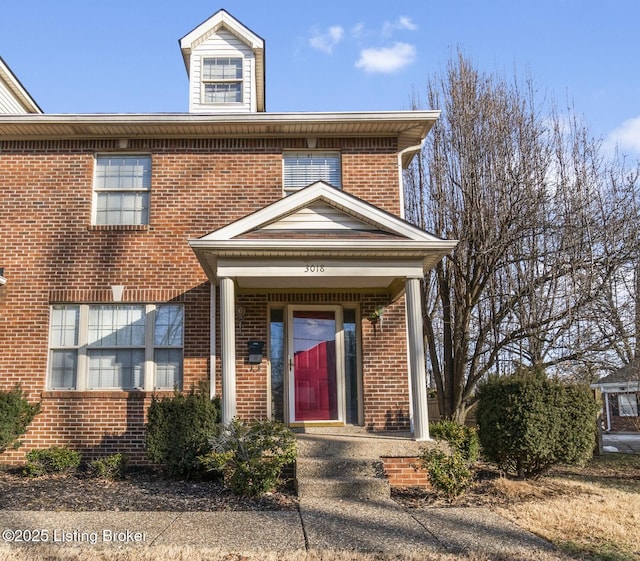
(222,80)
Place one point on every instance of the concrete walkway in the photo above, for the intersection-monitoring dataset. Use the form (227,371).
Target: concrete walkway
(320,524)
(621,442)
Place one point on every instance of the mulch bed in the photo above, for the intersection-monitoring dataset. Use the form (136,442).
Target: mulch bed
(143,489)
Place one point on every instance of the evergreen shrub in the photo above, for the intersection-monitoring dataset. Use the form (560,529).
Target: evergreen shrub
(528,423)
(48,461)
(111,467)
(250,455)
(178,431)
(16,414)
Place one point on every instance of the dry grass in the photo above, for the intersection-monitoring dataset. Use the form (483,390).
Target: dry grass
(593,513)
(199,554)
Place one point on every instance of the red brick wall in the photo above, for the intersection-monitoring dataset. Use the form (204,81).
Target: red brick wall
(385,370)
(51,254)
(405,472)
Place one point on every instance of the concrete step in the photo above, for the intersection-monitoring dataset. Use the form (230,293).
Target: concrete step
(354,446)
(342,488)
(338,467)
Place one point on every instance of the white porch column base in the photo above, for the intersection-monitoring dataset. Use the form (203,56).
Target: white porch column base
(228,349)
(418,373)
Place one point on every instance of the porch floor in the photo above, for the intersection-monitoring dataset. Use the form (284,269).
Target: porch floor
(355,442)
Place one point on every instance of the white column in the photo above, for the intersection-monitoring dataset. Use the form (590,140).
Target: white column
(212,340)
(228,349)
(418,373)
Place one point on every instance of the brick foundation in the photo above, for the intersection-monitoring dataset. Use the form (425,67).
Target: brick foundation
(405,472)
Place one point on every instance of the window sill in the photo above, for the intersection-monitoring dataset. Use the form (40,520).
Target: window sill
(101,394)
(119,227)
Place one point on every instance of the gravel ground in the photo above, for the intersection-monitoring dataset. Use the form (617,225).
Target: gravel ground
(142,489)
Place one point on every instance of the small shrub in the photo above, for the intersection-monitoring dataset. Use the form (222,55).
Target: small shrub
(16,414)
(529,423)
(52,460)
(461,438)
(111,467)
(250,455)
(179,429)
(449,474)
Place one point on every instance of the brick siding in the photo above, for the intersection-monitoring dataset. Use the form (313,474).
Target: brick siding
(404,472)
(52,254)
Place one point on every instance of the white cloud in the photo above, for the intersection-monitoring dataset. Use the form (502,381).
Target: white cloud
(357,30)
(403,22)
(386,59)
(626,137)
(326,41)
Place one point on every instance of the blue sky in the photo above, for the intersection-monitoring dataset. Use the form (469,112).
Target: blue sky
(80,56)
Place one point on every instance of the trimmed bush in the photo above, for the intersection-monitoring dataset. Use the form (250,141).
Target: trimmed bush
(461,438)
(529,423)
(250,455)
(179,429)
(16,414)
(449,474)
(52,460)
(111,467)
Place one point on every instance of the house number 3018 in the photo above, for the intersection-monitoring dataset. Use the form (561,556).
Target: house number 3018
(314,268)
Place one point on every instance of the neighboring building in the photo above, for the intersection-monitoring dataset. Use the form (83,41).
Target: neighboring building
(265,253)
(620,391)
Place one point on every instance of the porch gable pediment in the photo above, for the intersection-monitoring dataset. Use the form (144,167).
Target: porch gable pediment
(323,212)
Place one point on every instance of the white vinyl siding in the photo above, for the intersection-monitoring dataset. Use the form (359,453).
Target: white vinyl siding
(112,346)
(303,168)
(122,186)
(208,95)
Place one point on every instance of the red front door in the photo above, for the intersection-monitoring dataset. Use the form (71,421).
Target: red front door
(314,365)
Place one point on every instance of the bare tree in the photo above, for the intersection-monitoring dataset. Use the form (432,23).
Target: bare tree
(522,193)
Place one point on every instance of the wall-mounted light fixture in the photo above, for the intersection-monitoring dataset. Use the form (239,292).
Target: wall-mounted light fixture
(240,312)
(2,279)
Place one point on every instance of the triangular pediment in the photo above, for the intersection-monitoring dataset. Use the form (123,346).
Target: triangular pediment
(320,211)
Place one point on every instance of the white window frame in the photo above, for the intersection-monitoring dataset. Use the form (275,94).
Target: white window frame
(83,347)
(223,81)
(130,186)
(627,405)
(304,167)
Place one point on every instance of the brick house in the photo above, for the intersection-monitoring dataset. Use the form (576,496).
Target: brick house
(620,392)
(264,253)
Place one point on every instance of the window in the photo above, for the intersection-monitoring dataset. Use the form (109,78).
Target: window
(222,80)
(121,190)
(112,346)
(628,404)
(304,168)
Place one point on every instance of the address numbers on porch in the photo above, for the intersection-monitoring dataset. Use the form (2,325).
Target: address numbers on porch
(314,268)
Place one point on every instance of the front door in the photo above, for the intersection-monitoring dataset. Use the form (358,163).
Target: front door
(315,362)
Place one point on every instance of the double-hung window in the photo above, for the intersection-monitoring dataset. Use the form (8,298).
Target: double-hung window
(123,346)
(222,80)
(303,168)
(122,185)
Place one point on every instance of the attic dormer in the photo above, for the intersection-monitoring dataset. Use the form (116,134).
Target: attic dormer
(225,64)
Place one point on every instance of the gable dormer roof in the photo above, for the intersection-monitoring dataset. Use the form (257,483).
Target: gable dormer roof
(14,98)
(222,23)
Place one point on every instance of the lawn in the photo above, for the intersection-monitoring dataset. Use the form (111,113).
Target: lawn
(591,512)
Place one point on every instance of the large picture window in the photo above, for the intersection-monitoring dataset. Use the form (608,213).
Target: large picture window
(122,185)
(128,347)
(303,168)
